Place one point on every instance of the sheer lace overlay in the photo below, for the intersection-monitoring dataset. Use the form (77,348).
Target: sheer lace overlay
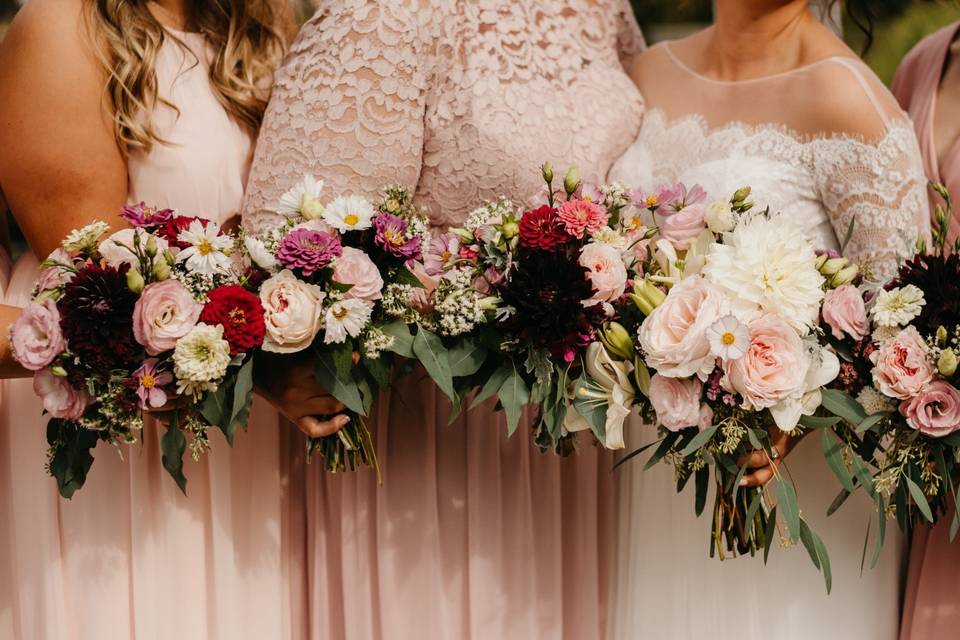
(461,99)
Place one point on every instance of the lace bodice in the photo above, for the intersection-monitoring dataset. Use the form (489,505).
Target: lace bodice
(462,99)
(814,164)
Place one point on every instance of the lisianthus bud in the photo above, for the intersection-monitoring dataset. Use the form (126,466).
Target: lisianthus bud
(490,303)
(741,195)
(921,245)
(652,293)
(845,276)
(310,207)
(947,363)
(134,281)
(161,270)
(572,180)
(941,335)
(821,260)
(617,340)
(58,371)
(641,375)
(642,304)
(547,170)
(151,248)
(833,266)
(510,229)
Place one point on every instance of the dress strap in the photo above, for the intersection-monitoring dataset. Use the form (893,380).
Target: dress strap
(854,67)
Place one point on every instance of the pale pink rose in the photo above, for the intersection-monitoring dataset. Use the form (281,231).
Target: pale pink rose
(774,368)
(117,249)
(674,336)
(683,227)
(901,367)
(292,312)
(55,277)
(676,401)
(935,411)
(60,400)
(35,336)
(355,267)
(845,313)
(165,312)
(605,270)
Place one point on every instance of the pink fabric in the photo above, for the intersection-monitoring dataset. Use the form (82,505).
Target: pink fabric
(130,557)
(916,86)
(931,609)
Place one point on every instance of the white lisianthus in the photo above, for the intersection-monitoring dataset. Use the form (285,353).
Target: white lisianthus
(303,199)
(209,252)
(118,248)
(259,254)
(766,264)
(200,359)
(86,238)
(612,237)
(609,384)
(720,217)
(897,307)
(347,317)
(349,213)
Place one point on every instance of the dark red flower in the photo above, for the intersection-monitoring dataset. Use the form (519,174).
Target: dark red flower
(542,229)
(171,229)
(240,314)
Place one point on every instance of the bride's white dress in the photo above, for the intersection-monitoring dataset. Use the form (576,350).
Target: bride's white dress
(825,143)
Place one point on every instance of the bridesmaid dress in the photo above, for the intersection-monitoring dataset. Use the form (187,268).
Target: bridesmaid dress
(130,557)
(825,143)
(473,534)
(931,606)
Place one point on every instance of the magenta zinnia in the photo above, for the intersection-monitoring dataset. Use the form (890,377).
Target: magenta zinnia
(307,251)
(391,236)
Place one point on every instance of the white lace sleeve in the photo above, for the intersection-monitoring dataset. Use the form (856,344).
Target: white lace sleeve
(347,106)
(630,41)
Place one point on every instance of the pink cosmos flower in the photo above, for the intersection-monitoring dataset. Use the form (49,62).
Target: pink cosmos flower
(580,216)
(664,196)
(443,250)
(150,383)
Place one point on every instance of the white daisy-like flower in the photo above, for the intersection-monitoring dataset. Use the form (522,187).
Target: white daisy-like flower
(874,402)
(767,264)
(897,307)
(346,317)
(259,254)
(200,359)
(85,239)
(729,338)
(612,237)
(209,252)
(303,199)
(349,213)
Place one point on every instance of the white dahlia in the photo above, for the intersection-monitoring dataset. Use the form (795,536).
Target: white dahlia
(897,307)
(200,359)
(303,199)
(346,317)
(767,264)
(349,213)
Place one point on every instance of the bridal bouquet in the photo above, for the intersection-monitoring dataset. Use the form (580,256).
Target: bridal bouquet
(154,317)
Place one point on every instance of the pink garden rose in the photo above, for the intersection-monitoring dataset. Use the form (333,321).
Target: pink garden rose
(935,411)
(606,272)
(355,267)
(674,336)
(676,401)
(774,368)
(901,367)
(165,312)
(683,227)
(60,400)
(36,337)
(292,312)
(845,313)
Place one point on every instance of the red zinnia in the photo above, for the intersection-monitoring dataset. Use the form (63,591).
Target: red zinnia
(542,229)
(240,314)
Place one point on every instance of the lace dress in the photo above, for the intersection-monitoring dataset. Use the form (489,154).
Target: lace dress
(472,535)
(825,143)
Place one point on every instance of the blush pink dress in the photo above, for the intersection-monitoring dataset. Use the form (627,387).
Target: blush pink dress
(130,557)
(931,604)
(473,535)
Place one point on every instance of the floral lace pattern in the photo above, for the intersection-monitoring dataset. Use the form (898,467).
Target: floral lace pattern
(828,181)
(462,99)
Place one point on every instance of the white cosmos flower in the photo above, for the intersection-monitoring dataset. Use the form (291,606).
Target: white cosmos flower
(897,307)
(609,385)
(200,359)
(85,238)
(259,254)
(346,317)
(349,213)
(208,253)
(303,199)
(767,264)
(729,338)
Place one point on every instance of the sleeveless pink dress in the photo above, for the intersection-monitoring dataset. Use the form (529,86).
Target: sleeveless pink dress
(473,535)
(130,557)
(931,604)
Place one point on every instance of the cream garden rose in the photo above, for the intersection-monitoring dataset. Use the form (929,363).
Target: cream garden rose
(292,312)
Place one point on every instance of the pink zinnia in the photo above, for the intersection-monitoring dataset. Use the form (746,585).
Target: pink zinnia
(150,382)
(308,251)
(579,216)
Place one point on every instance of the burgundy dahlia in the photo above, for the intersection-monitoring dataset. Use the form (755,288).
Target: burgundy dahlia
(306,251)
(391,236)
(96,317)
(938,276)
(542,229)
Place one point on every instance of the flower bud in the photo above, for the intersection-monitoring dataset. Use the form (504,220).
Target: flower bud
(490,303)
(617,340)
(642,304)
(833,265)
(641,375)
(921,245)
(310,207)
(510,229)
(547,170)
(652,293)
(941,335)
(151,248)
(651,233)
(741,194)
(947,363)
(845,276)
(941,190)
(821,260)
(134,281)
(392,206)
(58,371)
(161,270)
(941,216)
(572,180)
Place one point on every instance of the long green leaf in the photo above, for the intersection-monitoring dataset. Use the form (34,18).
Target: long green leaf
(831,449)
(242,395)
(824,561)
(769,532)
(466,357)
(493,384)
(806,537)
(513,395)
(871,421)
(699,441)
(842,405)
(787,501)
(814,422)
(664,447)
(919,499)
(402,338)
(435,359)
(701,482)
(325,372)
(173,444)
(633,454)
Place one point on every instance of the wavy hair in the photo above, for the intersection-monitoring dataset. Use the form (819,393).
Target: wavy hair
(246,37)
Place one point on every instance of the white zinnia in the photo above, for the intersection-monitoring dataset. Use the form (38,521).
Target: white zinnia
(259,254)
(346,317)
(349,213)
(303,199)
(729,338)
(86,238)
(767,264)
(897,307)
(208,252)
(200,359)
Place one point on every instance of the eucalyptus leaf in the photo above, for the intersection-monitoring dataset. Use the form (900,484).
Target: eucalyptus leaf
(768,534)
(173,445)
(698,441)
(870,421)
(435,358)
(348,393)
(664,447)
(513,395)
(701,482)
(831,450)
(814,422)
(838,501)
(787,500)
(806,537)
(919,499)
(842,405)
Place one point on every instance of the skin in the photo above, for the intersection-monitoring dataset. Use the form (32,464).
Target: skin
(55,132)
(946,125)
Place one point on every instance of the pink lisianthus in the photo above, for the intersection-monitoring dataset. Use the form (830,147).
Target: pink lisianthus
(774,367)
(845,313)
(682,227)
(150,384)
(901,367)
(36,337)
(165,312)
(935,411)
(677,402)
(606,272)
(356,268)
(580,216)
(60,399)
(441,253)
(55,277)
